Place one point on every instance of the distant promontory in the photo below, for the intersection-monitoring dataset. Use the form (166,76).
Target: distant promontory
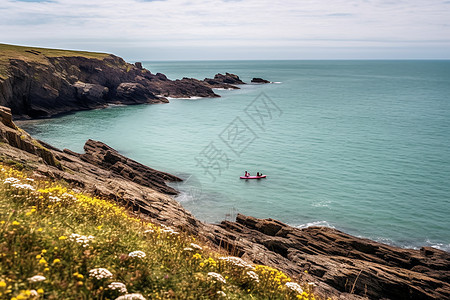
(39,83)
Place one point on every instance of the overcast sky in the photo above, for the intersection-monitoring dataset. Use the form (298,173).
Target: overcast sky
(233,29)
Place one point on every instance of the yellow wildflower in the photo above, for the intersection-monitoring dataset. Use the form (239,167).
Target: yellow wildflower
(40,291)
(56,260)
(44,251)
(15,223)
(2,284)
(63,237)
(38,256)
(46,269)
(40,229)
(42,261)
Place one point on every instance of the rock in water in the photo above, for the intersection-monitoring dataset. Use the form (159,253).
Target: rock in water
(260,80)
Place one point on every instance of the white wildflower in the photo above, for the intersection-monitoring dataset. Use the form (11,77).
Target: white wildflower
(118,286)
(195,246)
(188,249)
(312,284)
(36,278)
(81,239)
(29,179)
(170,231)
(54,199)
(217,277)
(237,261)
(221,294)
(167,229)
(34,294)
(138,254)
(295,287)
(23,186)
(149,231)
(100,273)
(11,180)
(131,297)
(67,195)
(253,276)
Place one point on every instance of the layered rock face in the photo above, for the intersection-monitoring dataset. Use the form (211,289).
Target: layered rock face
(52,85)
(55,85)
(11,135)
(339,263)
(99,171)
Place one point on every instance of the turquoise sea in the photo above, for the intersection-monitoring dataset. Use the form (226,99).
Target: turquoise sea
(362,146)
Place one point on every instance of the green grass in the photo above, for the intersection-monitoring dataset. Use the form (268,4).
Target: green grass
(39,223)
(38,55)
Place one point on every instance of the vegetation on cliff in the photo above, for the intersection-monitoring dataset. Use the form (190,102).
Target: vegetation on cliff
(38,55)
(58,243)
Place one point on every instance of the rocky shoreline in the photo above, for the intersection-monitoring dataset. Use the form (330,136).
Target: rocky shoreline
(340,265)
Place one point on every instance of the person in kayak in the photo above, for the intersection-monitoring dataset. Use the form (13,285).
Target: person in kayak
(247,174)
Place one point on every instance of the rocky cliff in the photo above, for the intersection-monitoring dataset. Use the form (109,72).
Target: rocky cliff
(37,82)
(342,266)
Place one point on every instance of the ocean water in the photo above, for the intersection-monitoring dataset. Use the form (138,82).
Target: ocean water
(362,146)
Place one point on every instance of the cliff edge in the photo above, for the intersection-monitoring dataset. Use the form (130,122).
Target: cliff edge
(37,82)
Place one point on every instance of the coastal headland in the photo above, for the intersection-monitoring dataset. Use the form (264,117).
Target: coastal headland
(38,83)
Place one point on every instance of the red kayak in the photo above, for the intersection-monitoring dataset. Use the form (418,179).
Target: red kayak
(253,177)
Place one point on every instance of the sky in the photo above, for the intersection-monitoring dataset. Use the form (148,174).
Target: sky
(233,29)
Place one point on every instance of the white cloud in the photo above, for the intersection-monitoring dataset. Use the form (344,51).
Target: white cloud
(288,26)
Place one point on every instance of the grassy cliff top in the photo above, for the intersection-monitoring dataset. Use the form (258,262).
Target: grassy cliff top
(38,55)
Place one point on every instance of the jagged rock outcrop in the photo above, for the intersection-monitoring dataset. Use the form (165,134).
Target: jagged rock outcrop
(227,81)
(101,155)
(338,262)
(17,138)
(100,171)
(259,80)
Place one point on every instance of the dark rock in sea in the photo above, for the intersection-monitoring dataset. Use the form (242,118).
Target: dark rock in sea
(260,80)
(227,81)
(228,78)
